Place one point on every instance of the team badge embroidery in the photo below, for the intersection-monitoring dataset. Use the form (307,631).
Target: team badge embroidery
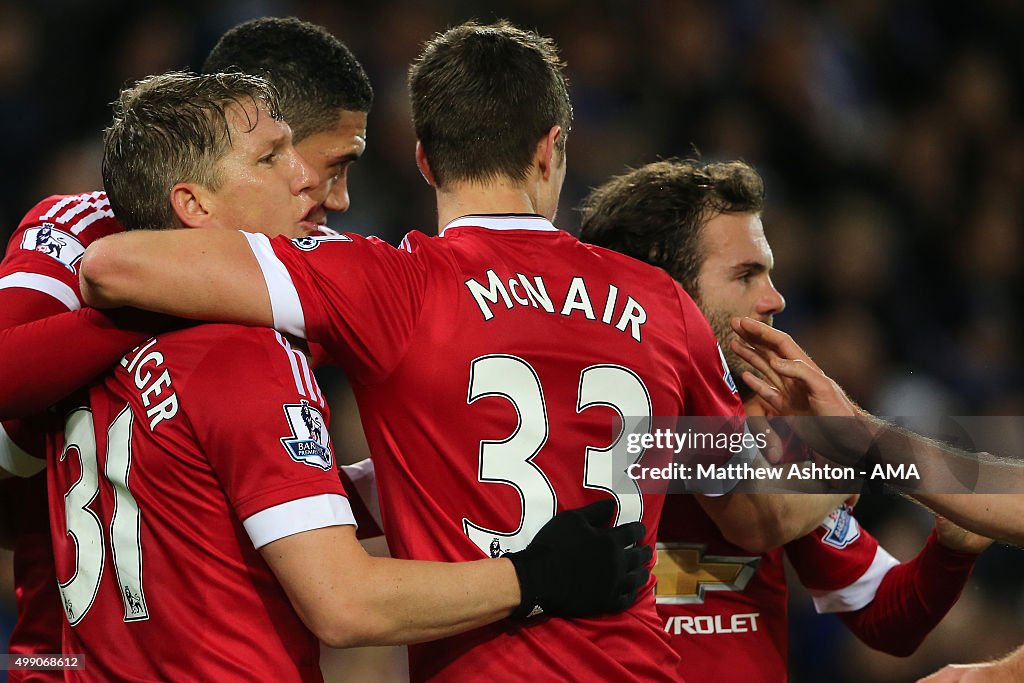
(309,443)
(59,245)
(311,242)
(842,528)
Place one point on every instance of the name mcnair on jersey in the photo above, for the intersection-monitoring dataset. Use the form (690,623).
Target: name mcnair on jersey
(533,292)
(144,364)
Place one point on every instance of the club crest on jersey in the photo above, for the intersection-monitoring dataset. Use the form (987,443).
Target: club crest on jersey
(311,242)
(842,528)
(728,375)
(309,443)
(46,239)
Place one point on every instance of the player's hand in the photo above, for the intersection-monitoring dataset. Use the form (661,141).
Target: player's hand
(991,672)
(792,383)
(758,422)
(576,566)
(957,538)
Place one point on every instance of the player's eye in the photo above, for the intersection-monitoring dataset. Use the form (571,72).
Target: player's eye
(746,277)
(269,158)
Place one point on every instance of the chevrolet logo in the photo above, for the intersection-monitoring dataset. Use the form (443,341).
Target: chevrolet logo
(685,573)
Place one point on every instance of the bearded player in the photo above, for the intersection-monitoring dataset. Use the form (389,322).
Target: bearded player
(724,606)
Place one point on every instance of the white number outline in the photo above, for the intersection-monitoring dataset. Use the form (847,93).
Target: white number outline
(80,520)
(495,372)
(502,366)
(593,478)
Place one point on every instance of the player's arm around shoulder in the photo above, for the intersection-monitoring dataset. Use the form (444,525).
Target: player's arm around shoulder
(198,274)
(575,566)
(348,598)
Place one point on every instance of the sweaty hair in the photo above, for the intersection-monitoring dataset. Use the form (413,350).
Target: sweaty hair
(482,96)
(316,75)
(656,213)
(170,129)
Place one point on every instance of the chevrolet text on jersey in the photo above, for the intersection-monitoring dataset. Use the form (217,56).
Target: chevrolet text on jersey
(521,290)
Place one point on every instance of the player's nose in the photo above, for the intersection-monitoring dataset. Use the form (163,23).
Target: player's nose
(337,197)
(304,177)
(772,302)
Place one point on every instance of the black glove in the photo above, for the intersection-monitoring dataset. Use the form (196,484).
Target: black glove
(577,567)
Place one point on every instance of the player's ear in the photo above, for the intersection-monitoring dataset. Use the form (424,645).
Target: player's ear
(547,156)
(424,165)
(189,203)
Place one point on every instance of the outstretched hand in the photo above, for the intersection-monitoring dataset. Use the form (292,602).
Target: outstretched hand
(793,384)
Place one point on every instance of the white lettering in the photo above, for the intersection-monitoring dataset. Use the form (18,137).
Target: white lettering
(538,296)
(165,410)
(135,354)
(164,380)
(707,625)
(577,299)
(157,358)
(512,286)
(609,306)
(491,293)
(633,315)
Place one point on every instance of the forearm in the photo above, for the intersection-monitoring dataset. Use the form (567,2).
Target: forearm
(912,599)
(349,599)
(995,515)
(199,274)
(760,522)
(413,601)
(74,348)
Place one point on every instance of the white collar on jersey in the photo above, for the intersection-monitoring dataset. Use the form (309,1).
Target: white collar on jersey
(516,221)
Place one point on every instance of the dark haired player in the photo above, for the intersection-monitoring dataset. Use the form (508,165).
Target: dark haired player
(325,97)
(701,223)
(489,362)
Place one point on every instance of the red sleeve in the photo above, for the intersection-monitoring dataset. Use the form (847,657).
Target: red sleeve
(264,433)
(834,560)
(359,297)
(46,352)
(43,361)
(912,599)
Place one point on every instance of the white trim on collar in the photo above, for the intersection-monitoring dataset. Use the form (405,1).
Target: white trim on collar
(502,222)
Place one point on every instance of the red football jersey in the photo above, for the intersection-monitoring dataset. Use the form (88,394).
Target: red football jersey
(59,228)
(726,610)
(181,464)
(42,257)
(490,364)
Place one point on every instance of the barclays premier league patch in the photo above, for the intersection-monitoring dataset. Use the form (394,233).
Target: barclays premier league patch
(48,240)
(309,443)
(842,528)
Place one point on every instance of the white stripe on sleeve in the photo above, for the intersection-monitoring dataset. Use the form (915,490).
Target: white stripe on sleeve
(45,284)
(15,460)
(296,516)
(284,298)
(860,592)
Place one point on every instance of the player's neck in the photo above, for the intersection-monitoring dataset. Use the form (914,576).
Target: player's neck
(499,197)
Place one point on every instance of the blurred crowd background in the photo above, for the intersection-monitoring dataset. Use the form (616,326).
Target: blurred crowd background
(890,135)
